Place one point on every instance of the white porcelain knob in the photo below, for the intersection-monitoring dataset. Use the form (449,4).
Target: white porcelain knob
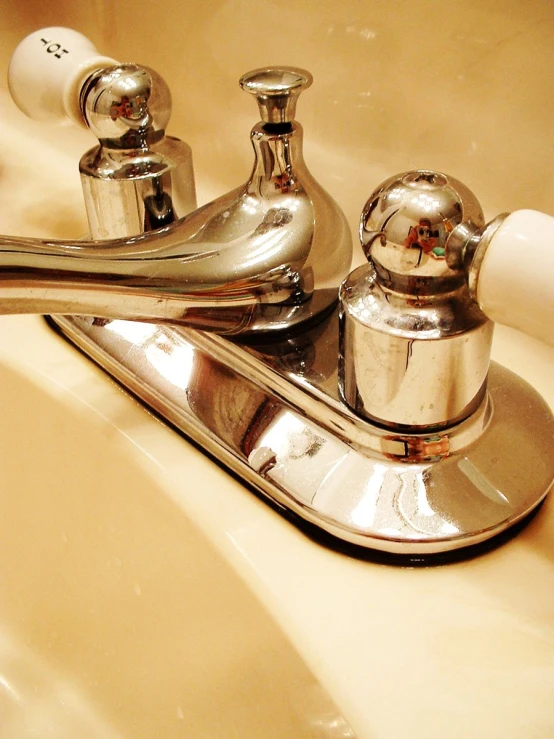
(48,70)
(515,282)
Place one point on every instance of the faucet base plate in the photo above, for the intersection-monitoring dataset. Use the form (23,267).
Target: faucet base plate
(273,415)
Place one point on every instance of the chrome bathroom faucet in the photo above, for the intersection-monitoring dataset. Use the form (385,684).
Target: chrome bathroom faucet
(378,424)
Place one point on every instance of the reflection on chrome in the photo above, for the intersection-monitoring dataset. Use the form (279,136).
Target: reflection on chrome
(173,362)
(363,514)
(133,331)
(481,482)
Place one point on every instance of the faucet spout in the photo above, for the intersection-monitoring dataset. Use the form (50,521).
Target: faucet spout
(264,257)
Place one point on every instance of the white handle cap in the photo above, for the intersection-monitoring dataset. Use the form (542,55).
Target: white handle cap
(515,285)
(47,71)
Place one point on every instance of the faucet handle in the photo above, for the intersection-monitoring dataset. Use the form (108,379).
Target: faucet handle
(47,71)
(137,179)
(425,234)
(509,266)
(276,90)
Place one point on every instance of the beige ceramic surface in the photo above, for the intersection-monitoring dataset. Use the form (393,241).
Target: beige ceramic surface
(88,478)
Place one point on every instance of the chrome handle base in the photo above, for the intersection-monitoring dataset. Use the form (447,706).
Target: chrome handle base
(262,258)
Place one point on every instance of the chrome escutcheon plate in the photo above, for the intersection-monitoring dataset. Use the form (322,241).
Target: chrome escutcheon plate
(273,415)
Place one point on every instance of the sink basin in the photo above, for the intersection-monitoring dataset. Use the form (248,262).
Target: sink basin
(119,617)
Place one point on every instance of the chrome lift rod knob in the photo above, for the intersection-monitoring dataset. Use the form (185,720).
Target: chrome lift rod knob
(276,90)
